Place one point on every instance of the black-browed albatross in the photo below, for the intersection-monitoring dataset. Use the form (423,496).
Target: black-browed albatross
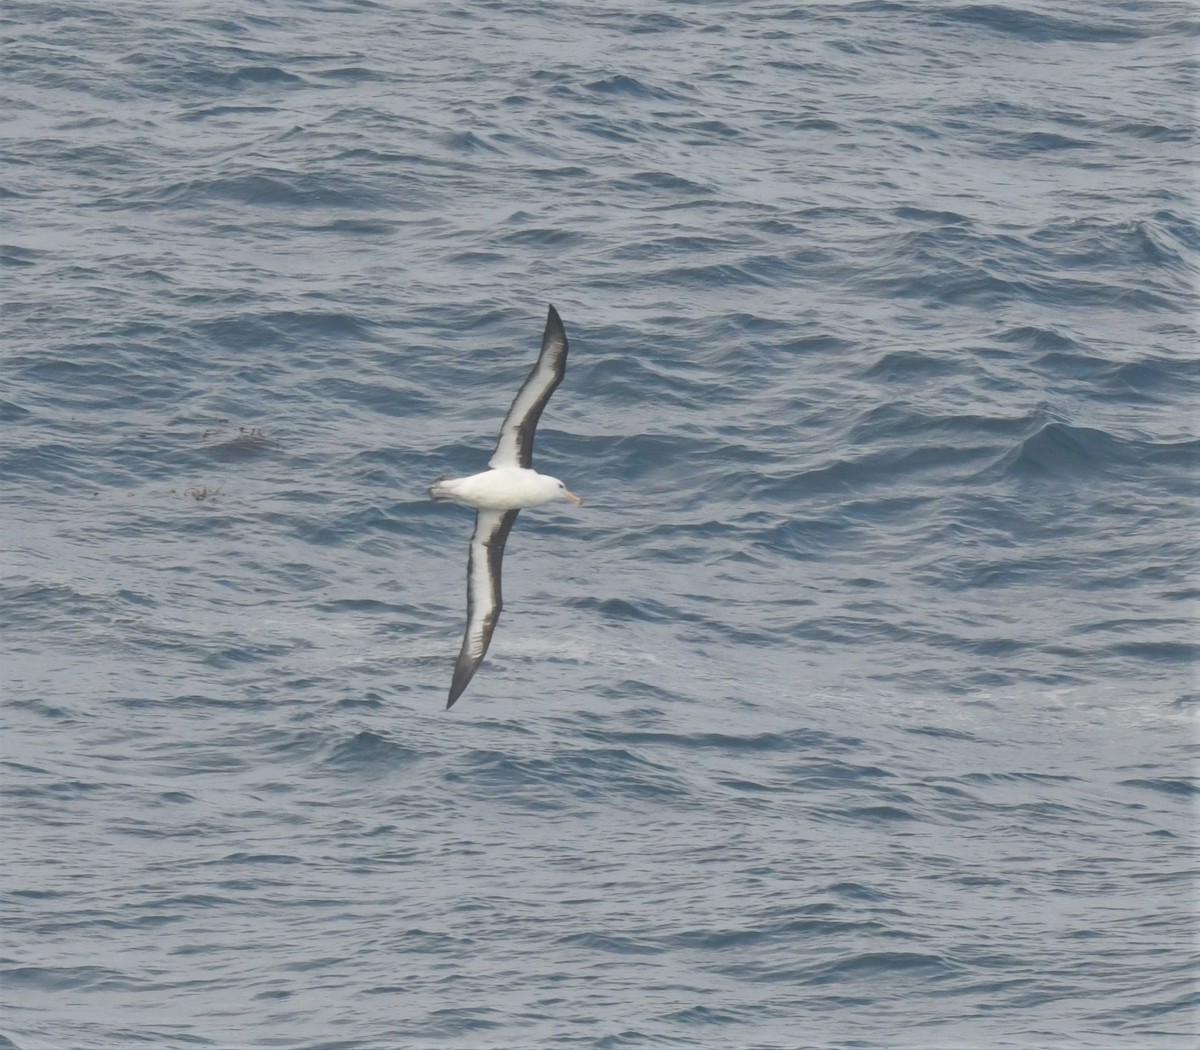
(499,494)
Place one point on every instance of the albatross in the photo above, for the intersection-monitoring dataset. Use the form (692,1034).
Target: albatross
(499,494)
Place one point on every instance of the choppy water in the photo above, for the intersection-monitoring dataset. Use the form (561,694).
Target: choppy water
(855,709)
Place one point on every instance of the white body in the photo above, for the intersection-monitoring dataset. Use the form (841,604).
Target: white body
(504,488)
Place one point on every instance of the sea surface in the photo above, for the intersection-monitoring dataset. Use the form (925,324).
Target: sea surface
(856,708)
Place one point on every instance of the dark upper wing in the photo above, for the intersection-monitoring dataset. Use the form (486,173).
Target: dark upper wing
(483,593)
(515,448)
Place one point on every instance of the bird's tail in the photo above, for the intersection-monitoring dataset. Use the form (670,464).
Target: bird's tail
(441,491)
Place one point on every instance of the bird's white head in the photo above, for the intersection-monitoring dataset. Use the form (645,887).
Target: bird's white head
(560,491)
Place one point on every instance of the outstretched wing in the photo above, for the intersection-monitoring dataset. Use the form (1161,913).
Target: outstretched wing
(515,448)
(483,593)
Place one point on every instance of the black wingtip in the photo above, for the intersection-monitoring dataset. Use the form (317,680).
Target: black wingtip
(555,331)
(458,684)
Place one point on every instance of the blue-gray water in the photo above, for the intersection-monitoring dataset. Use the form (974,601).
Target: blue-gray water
(857,706)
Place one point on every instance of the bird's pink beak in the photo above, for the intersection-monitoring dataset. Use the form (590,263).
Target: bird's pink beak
(577,500)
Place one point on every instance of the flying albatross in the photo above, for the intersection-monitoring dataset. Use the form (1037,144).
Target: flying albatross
(499,494)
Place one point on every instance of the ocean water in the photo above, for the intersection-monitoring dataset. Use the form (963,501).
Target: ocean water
(857,706)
